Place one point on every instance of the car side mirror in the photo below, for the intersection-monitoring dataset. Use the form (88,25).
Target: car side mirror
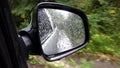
(61,30)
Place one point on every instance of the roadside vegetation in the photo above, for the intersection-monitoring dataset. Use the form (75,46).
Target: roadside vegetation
(104,23)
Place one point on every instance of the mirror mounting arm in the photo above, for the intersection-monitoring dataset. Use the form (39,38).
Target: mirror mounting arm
(27,41)
(29,36)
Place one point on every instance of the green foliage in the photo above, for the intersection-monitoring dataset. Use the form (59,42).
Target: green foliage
(104,27)
(85,4)
(33,59)
(24,24)
(72,62)
(86,64)
(103,2)
(20,10)
(103,15)
(60,67)
(102,43)
(67,2)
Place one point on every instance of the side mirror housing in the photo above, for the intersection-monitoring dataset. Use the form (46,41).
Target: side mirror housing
(58,29)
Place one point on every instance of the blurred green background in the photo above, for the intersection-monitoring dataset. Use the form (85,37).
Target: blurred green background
(104,23)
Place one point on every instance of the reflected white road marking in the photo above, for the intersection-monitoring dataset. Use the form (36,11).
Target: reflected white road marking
(64,42)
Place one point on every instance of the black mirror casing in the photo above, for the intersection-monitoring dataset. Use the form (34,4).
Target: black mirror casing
(70,9)
(32,31)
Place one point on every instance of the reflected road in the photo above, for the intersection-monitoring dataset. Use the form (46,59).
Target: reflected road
(64,42)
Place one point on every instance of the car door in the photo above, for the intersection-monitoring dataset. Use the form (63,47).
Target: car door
(11,54)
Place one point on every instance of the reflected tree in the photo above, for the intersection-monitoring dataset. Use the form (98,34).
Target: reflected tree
(74,27)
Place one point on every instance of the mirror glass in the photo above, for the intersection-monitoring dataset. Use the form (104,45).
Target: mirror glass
(59,30)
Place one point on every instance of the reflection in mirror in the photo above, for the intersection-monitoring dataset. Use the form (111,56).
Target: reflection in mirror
(59,30)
